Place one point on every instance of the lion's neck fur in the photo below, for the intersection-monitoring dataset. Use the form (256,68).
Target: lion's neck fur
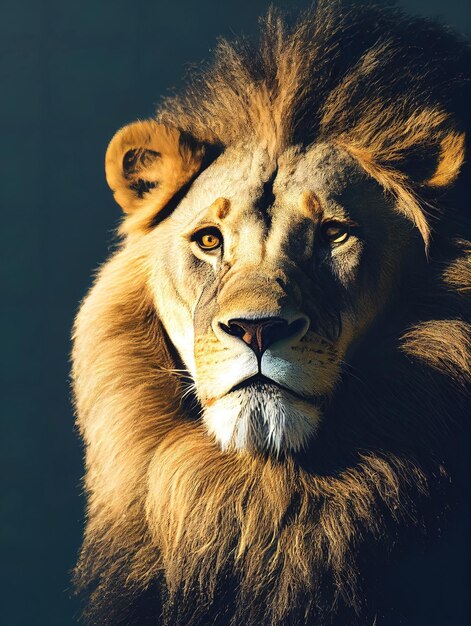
(278,530)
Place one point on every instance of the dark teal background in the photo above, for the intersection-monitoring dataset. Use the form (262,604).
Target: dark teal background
(72,73)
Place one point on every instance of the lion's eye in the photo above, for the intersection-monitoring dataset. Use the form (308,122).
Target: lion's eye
(208,239)
(335,232)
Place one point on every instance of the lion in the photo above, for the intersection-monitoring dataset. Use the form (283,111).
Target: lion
(272,370)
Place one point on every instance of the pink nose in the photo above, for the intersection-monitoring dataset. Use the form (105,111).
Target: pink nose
(259,334)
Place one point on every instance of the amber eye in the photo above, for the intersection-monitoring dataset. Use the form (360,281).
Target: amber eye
(208,239)
(335,232)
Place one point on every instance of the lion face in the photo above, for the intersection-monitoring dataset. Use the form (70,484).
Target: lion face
(266,264)
(264,276)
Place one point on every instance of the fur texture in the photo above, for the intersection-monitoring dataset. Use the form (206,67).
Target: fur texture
(180,532)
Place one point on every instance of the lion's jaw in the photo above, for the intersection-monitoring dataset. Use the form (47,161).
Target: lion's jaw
(262,416)
(273,266)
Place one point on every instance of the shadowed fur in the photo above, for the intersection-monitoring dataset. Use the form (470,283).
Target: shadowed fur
(181,532)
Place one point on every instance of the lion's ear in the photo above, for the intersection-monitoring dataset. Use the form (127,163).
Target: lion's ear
(146,165)
(450,159)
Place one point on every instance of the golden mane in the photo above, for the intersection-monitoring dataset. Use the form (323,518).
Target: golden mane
(176,525)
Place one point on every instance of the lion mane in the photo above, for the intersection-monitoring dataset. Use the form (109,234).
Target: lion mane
(180,532)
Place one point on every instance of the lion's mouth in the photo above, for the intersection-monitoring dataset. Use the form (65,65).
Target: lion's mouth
(259,382)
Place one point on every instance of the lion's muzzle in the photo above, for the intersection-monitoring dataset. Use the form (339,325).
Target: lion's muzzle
(261,333)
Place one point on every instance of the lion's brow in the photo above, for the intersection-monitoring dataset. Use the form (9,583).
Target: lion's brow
(267,198)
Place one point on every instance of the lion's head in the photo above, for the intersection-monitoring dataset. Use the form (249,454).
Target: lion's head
(255,367)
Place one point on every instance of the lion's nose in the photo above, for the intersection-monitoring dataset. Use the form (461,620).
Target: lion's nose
(259,334)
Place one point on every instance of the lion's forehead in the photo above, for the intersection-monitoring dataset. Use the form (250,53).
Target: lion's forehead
(242,174)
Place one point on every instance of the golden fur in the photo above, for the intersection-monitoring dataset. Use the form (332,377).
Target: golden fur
(232,537)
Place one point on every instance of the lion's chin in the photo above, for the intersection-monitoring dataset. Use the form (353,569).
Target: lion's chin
(262,418)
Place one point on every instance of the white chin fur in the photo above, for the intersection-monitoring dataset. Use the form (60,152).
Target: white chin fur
(261,418)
